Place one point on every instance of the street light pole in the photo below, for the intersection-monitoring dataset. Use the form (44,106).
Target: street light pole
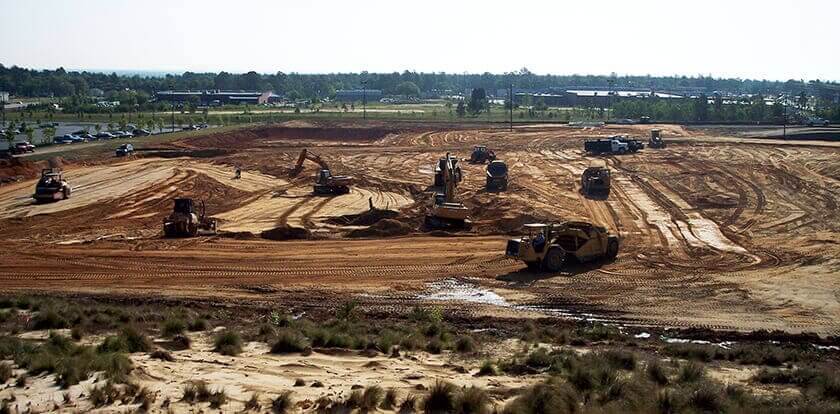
(173,116)
(364,99)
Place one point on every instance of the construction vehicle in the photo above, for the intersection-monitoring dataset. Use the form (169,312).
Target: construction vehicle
(605,146)
(595,180)
(633,144)
(655,140)
(51,186)
(481,154)
(125,150)
(440,167)
(186,222)
(497,176)
(551,246)
(325,182)
(446,211)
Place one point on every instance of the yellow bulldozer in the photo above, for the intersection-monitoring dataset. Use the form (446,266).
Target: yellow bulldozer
(186,221)
(325,182)
(550,246)
(446,211)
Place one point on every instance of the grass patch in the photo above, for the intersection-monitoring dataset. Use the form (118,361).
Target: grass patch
(389,401)
(371,398)
(253,403)
(465,344)
(48,319)
(472,400)
(172,327)
(282,403)
(409,404)
(130,340)
(5,372)
(162,355)
(657,373)
(487,369)
(548,397)
(288,342)
(691,372)
(441,398)
(197,325)
(228,343)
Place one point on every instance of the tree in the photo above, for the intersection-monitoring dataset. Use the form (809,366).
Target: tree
(408,88)
(478,101)
(47,135)
(802,100)
(461,110)
(30,134)
(98,128)
(10,137)
(701,108)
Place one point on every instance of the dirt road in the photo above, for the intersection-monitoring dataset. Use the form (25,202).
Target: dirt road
(715,232)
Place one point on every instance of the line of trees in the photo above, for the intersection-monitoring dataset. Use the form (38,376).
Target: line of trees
(62,83)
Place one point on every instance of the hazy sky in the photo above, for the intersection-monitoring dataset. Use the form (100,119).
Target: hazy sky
(732,38)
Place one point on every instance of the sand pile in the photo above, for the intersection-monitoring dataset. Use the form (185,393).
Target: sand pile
(367,218)
(286,232)
(383,228)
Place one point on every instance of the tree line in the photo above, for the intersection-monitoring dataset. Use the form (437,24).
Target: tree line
(63,83)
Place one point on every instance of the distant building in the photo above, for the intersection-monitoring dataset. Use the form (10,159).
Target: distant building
(585,97)
(357,95)
(4,97)
(217,97)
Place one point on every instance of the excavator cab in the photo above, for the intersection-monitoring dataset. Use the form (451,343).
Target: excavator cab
(184,206)
(325,182)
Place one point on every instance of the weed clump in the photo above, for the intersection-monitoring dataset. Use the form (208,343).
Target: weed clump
(465,344)
(228,343)
(283,403)
(288,342)
(441,398)
(472,400)
(371,398)
(172,327)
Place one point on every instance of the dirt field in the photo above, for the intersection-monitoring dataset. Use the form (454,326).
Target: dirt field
(715,232)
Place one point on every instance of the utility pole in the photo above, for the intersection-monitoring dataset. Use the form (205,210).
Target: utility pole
(173,116)
(610,97)
(784,118)
(510,105)
(364,99)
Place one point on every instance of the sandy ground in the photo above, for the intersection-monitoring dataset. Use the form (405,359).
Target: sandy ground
(718,232)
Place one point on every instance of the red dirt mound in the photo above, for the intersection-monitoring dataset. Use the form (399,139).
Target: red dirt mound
(14,169)
(286,233)
(248,138)
(382,228)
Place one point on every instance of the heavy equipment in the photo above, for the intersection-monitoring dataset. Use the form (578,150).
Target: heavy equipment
(439,170)
(595,180)
(125,150)
(633,144)
(325,182)
(186,222)
(655,140)
(51,186)
(446,211)
(497,176)
(605,146)
(481,154)
(550,246)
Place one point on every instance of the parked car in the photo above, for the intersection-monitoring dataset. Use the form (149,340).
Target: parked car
(141,133)
(816,121)
(67,139)
(104,135)
(125,150)
(119,134)
(22,147)
(87,137)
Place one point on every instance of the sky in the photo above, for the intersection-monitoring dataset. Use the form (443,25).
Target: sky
(769,39)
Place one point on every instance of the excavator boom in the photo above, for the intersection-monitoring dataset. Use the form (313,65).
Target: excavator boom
(311,156)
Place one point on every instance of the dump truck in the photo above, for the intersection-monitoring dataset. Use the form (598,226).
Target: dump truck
(605,146)
(51,186)
(456,169)
(446,211)
(185,221)
(655,140)
(550,247)
(325,182)
(595,180)
(497,176)
(481,154)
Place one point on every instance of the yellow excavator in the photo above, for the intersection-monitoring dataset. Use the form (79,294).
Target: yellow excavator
(446,211)
(325,183)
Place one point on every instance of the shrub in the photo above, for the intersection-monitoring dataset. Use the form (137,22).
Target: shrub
(656,373)
(371,397)
(197,325)
(409,404)
(6,303)
(441,398)
(299,382)
(283,403)
(288,342)
(48,319)
(347,310)
(548,397)
(116,366)
(162,355)
(708,397)
(172,327)
(145,398)
(265,332)
(691,372)
(228,343)
(354,400)
(136,340)
(390,399)
(5,372)
(434,346)
(472,400)
(253,403)
(217,398)
(487,368)
(539,358)
(76,333)
(620,359)
(465,344)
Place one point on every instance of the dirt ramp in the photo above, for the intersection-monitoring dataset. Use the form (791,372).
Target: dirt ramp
(382,228)
(286,233)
